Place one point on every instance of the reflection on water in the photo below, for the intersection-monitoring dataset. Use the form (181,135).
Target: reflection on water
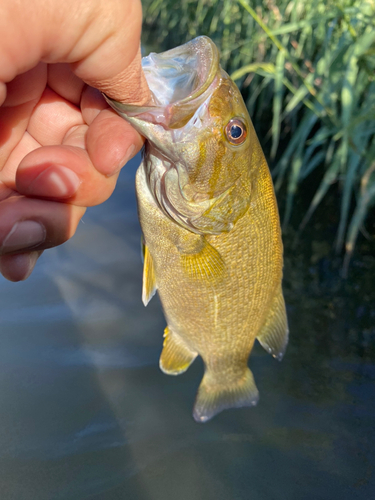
(86,413)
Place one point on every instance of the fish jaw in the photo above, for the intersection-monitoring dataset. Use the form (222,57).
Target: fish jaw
(180,80)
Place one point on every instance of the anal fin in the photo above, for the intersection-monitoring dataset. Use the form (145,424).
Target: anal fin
(214,396)
(149,281)
(273,335)
(176,357)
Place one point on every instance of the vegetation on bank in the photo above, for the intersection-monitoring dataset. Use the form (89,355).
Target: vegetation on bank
(307,73)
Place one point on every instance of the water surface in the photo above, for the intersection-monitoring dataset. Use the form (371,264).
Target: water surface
(86,413)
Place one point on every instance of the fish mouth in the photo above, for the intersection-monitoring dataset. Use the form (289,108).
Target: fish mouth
(180,80)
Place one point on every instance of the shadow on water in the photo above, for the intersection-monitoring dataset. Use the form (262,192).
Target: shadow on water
(86,413)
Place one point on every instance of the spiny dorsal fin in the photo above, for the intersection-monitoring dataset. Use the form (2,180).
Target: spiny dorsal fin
(274,333)
(176,357)
(206,264)
(149,282)
(214,396)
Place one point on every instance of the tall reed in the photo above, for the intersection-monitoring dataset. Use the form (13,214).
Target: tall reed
(309,68)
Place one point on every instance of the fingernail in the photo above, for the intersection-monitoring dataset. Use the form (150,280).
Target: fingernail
(129,153)
(18,267)
(23,235)
(55,182)
(29,266)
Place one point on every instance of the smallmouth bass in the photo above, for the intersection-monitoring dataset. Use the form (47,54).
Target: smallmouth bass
(210,222)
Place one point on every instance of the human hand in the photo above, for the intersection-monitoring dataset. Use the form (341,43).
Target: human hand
(61,147)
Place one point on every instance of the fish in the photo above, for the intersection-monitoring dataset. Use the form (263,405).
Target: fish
(212,239)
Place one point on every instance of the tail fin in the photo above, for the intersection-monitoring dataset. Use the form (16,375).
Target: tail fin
(213,397)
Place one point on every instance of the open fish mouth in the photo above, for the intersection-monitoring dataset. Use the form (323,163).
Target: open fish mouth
(180,80)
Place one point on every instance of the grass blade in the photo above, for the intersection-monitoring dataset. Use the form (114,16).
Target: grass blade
(277,102)
(367,199)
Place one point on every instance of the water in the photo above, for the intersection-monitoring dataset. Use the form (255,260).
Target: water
(86,413)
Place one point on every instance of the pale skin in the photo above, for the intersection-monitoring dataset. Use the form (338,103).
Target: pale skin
(61,147)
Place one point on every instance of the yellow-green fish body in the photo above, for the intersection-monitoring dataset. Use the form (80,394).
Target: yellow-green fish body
(209,217)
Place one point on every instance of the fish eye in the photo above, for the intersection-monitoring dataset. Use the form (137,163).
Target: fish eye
(236,131)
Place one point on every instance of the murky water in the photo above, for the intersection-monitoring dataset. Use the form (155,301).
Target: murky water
(86,413)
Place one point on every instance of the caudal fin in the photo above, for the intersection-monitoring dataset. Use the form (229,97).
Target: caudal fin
(214,397)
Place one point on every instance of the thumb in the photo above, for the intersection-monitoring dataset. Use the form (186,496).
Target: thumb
(99,38)
(129,85)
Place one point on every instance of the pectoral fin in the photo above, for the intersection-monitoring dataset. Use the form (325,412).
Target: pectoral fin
(176,357)
(274,334)
(205,264)
(149,282)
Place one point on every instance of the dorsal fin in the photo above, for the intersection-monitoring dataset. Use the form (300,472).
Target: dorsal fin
(149,281)
(274,333)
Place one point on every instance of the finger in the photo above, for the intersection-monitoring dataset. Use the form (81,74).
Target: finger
(111,142)
(52,118)
(50,122)
(23,94)
(18,267)
(3,92)
(8,174)
(64,82)
(105,147)
(27,87)
(92,103)
(129,85)
(63,173)
(13,123)
(34,225)
(100,38)
(70,173)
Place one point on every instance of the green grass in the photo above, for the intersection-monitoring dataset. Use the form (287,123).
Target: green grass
(307,73)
